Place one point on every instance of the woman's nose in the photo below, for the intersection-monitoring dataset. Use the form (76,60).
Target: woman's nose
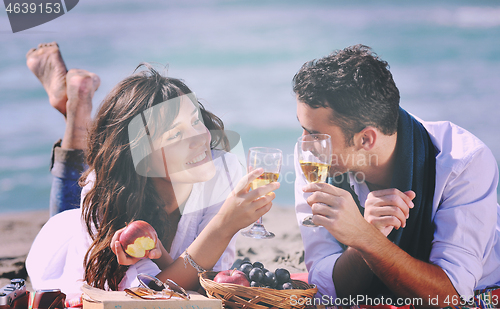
(198,137)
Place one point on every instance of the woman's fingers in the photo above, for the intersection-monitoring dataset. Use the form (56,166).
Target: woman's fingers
(264,190)
(115,238)
(244,184)
(243,205)
(154,253)
(243,191)
(263,204)
(122,257)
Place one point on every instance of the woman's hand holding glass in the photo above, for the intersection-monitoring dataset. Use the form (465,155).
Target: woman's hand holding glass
(241,208)
(269,159)
(244,206)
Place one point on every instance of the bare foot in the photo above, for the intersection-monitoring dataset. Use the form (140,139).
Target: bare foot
(47,64)
(80,89)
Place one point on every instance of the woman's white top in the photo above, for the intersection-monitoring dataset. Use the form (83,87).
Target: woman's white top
(55,260)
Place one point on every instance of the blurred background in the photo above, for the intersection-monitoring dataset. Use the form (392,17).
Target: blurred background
(239,57)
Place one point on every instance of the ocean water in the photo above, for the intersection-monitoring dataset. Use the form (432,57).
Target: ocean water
(239,57)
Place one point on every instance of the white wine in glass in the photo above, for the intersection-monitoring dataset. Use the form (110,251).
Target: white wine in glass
(314,153)
(314,171)
(270,160)
(264,179)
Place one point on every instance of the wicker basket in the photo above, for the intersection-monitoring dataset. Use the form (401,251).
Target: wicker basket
(238,296)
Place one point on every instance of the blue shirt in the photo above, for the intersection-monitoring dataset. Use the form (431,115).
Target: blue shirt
(465,212)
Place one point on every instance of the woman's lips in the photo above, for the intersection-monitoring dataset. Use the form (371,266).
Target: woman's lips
(198,159)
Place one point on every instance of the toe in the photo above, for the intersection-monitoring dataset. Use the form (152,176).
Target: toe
(30,52)
(96,81)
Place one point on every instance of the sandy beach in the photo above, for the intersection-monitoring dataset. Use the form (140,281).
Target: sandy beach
(18,231)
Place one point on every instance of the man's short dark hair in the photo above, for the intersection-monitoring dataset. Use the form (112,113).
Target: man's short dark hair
(356,84)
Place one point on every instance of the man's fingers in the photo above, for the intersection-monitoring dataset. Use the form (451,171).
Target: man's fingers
(324,187)
(321,209)
(393,197)
(393,191)
(388,221)
(391,200)
(410,194)
(323,214)
(389,212)
(323,197)
(320,220)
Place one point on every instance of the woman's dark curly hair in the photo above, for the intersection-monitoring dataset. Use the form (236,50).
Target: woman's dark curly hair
(356,84)
(119,194)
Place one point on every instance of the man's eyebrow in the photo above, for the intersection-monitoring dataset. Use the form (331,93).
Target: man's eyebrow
(311,131)
(177,123)
(308,131)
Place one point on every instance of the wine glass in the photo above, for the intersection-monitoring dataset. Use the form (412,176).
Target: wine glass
(314,153)
(270,160)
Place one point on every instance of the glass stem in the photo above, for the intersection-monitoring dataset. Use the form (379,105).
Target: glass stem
(259,221)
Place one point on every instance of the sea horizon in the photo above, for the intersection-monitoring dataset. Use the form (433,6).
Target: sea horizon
(239,57)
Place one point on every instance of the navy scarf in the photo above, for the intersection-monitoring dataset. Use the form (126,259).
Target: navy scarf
(415,169)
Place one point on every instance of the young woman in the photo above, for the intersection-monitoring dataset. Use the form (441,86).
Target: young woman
(154,154)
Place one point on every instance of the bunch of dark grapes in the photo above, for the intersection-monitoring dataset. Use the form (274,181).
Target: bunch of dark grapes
(261,277)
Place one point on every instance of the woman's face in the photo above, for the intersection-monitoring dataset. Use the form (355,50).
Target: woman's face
(183,150)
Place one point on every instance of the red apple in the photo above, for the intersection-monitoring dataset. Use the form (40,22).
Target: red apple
(232,276)
(138,238)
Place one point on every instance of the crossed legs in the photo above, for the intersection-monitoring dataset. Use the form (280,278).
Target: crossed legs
(70,92)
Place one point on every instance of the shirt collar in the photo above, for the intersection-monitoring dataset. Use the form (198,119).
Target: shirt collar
(360,188)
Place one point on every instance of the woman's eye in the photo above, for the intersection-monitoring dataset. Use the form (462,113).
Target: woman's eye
(175,136)
(197,121)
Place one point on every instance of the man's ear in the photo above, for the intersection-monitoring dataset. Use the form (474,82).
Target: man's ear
(367,138)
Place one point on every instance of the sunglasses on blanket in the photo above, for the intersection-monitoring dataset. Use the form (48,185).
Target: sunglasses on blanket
(154,288)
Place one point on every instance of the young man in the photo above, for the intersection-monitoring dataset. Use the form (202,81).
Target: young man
(411,211)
